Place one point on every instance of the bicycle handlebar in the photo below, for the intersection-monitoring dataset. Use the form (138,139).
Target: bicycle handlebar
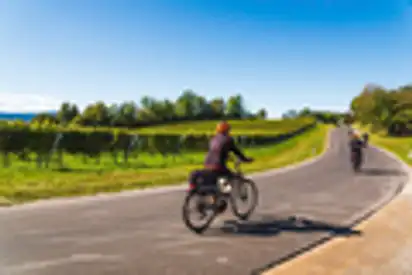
(237,162)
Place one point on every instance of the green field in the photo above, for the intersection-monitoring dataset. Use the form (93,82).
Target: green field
(24,182)
(239,127)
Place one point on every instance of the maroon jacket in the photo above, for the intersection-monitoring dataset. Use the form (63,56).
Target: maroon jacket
(219,148)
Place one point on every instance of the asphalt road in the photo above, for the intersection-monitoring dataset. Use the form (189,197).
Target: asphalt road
(145,235)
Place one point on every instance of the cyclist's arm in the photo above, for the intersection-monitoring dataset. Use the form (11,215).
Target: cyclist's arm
(233,148)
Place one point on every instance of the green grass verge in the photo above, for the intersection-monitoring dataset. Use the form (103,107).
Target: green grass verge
(22,182)
(401,146)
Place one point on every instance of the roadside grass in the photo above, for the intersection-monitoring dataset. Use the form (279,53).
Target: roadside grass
(401,146)
(24,182)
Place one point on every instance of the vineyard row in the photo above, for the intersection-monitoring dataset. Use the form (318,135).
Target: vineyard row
(24,140)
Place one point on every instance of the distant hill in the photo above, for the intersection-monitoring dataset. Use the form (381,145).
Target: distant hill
(21,116)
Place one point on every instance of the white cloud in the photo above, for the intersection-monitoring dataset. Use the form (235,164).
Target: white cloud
(18,102)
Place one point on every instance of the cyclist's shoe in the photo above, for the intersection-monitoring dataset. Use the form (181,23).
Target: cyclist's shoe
(210,200)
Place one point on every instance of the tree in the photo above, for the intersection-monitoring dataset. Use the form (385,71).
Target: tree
(67,112)
(217,106)
(290,114)
(261,114)
(114,113)
(147,112)
(202,108)
(185,105)
(235,107)
(127,113)
(147,102)
(44,118)
(305,112)
(168,110)
(384,109)
(96,115)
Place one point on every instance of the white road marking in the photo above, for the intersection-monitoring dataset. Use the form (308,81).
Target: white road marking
(222,260)
(76,258)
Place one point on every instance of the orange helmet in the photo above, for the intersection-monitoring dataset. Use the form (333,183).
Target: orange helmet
(223,127)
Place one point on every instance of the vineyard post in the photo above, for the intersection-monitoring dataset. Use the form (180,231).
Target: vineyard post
(180,144)
(136,146)
(6,155)
(132,142)
(243,141)
(55,147)
(252,141)
(61,150)
(114,147)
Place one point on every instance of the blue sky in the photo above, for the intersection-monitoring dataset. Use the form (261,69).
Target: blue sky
(278,54)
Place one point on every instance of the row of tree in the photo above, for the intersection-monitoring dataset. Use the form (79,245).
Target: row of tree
(189,106)
(385,109)
(327,117)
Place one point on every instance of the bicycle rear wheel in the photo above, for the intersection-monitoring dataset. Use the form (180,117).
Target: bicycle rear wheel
(203,209)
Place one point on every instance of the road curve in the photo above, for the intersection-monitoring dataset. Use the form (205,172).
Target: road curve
(144,235)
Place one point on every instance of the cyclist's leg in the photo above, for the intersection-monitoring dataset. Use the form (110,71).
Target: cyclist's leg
(226,172)
(236,183)
(193,177)
(208,180)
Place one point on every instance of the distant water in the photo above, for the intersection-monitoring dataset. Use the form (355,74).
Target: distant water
(19,116)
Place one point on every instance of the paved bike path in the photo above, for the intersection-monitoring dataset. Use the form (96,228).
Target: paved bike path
(145,234)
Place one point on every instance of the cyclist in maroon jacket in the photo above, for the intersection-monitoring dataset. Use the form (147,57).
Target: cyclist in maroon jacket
(220,146)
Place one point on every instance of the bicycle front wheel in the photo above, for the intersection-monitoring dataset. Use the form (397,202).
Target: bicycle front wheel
(244,192)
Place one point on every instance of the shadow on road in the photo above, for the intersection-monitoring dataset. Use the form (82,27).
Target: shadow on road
(273,226)
(381,172)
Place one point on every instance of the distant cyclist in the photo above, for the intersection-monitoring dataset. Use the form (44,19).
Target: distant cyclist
(365,138)
(356,143)
(220,146)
